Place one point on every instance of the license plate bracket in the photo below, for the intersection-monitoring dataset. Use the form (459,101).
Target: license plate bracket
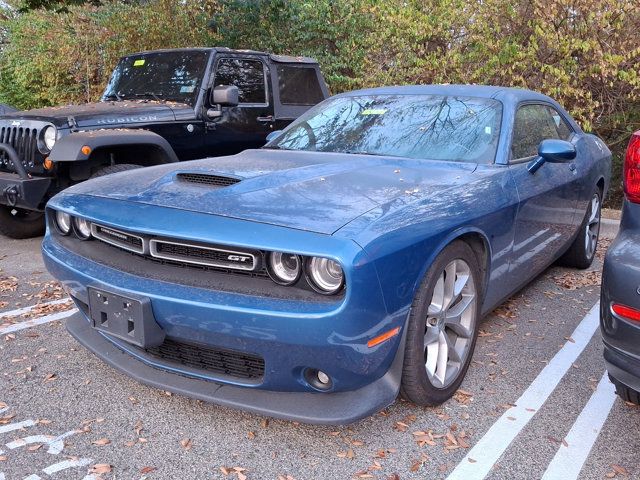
(127,317)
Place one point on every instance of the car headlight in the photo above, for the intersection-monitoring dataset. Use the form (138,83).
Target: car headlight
(325,275)
(284,268)
(49,136)
(82,228)
(63,222)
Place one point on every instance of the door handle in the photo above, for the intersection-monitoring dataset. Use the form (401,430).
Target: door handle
(572,167)
(267,119)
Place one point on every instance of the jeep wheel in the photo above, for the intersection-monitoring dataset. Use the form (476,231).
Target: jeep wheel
(18,223)
(121,167)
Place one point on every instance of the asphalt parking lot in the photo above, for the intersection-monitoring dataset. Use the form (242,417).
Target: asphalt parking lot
(536,403)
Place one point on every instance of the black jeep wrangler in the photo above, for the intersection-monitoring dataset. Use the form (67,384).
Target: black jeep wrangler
(159,106)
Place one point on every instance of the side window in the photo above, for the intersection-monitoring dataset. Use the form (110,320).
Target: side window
(563,128)
(532,125)
(247,75)
(298,85)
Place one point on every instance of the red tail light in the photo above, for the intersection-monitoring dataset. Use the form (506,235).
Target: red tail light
(626,312)
(632,169)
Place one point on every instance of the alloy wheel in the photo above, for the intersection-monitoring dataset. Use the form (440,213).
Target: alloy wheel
(592,229)
(450,324)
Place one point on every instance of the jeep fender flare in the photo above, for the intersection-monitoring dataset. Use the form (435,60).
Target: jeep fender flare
(69,148)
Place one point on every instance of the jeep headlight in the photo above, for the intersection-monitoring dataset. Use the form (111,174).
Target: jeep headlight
(49,137)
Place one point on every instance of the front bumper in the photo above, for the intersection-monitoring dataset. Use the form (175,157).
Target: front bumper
(317,408)
(28,193)
(291,335)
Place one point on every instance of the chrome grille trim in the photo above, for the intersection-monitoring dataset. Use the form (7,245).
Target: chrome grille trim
(118,238)
(155,250)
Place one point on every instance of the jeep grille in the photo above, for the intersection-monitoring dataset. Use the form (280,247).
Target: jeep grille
(25,143)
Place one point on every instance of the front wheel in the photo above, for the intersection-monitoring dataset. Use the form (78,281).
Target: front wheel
(583,249)
(20,223)
(117,168)
(442,327)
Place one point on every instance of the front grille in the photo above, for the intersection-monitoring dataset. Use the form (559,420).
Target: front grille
(226,362)
(204,255)
(25,143)
(207,179)
(121,239)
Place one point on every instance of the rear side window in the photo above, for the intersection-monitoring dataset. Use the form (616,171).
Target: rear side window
(533,124)
(298,85)
(247,75)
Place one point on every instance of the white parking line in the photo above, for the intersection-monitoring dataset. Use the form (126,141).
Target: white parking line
(16,426)
(486,452)
(37,321)
(65,464)
(20,311)
(569,459)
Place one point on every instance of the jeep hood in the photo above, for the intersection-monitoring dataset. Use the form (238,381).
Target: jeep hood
(312,191)
(103,114)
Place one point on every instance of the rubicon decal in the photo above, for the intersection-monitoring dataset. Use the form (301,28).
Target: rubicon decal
(142,118)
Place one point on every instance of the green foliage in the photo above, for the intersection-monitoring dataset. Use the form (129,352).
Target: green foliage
(584,53)
(53,58)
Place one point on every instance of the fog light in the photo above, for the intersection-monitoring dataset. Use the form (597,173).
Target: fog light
(318,379)
(323,378)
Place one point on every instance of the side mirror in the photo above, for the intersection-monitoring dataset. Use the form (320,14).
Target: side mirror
(553,151)
(225,96)
(273,135)
(557,151)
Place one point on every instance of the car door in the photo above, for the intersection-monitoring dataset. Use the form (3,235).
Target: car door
(248,124)
(547,198)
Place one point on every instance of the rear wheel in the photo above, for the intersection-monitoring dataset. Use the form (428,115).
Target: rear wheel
(443,327)
(121,167)
(583,249)
(625,393)
(20,223)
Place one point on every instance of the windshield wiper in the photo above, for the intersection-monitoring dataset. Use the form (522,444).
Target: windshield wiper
(156,96)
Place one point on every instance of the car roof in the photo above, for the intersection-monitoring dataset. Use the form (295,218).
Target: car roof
(482,91)
(273,57)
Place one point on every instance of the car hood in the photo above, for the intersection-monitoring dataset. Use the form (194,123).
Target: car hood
(312,191)
(102,114)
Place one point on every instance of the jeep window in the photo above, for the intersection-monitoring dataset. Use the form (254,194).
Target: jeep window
(247,75)
(298,85)
(430,127)
(172,75)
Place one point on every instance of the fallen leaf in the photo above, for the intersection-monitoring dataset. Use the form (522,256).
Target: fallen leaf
(146,470)
(186,443)
(50,377)
(100,468)
(101,442)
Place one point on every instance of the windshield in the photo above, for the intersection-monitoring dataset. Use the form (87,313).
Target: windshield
(174,76)
(433,127)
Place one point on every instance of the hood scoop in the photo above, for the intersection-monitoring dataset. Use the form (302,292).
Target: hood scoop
(207,179)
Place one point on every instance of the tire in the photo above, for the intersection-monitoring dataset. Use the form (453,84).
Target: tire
(583,249)
(427,380)
(625,393)
(19,223)
(120,167)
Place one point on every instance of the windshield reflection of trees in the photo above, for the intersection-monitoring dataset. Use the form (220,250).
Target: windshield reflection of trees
(160,76)
(413,126)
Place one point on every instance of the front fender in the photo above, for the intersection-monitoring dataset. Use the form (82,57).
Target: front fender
(69,148)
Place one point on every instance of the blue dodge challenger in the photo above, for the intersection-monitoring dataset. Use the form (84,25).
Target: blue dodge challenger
(349,260)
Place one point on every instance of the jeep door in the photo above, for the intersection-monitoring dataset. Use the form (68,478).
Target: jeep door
(248,124)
